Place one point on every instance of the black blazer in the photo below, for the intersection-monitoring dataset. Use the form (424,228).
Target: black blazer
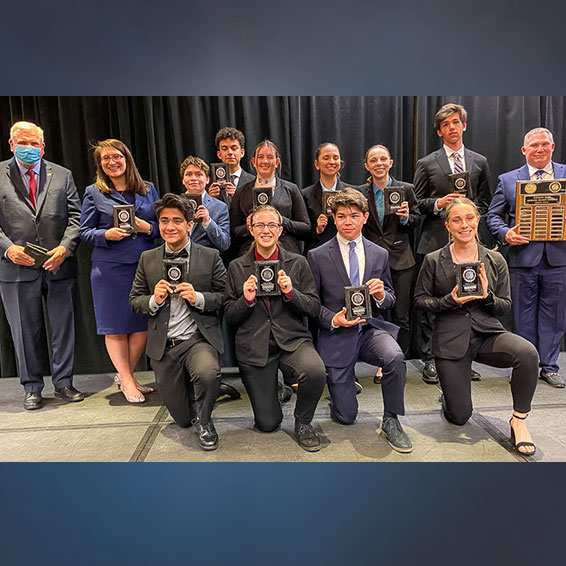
(207,274)
(285,320)
(432,182)
(313,201)
(287,199)
(392,235)
(453,323)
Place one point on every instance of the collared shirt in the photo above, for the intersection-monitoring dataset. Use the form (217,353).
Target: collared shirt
(263,183)
(182,325)
(25,177)
(360,252)
(548,171)
(450,155)
(236,176)
(332,188)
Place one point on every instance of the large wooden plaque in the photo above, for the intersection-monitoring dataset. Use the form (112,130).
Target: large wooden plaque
(540,209)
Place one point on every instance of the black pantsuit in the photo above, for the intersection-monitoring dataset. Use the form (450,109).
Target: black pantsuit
(472,331)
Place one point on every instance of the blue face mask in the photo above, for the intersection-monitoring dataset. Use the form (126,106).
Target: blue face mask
(28,154)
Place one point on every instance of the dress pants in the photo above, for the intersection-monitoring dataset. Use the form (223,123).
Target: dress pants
(378,348)
(501,350)
(23,303)
(303,366)
(188,376)
(539,308)
(402,280)
(426,326)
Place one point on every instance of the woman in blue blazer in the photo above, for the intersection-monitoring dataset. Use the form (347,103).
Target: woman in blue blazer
(115,257)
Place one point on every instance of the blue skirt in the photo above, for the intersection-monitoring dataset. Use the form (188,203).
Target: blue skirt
(111,284)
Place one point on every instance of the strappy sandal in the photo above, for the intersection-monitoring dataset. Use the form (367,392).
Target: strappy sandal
(518,445)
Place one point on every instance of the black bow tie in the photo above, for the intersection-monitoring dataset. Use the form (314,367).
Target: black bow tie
(177,255)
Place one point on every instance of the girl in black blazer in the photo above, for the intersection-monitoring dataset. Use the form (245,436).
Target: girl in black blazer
(287,199)
(271,330)
(467,328)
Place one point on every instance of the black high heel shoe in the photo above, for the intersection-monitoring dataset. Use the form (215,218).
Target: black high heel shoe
(524,443)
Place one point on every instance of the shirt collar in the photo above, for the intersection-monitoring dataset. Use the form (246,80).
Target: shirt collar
(168,250)
(548,169)
(332,188)
(345,243)
(272,257)
(23,170)
(376,188)
(449,151)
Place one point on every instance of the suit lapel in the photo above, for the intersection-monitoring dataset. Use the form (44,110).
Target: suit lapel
(523,173)
(442,161)
(372,208)
(559,170)
(45,177)
(446,262)
(336,257)
(369,261)
(14,175)
(278,193)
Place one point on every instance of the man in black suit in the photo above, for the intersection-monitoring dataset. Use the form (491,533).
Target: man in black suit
(434,192)
(230,144)
(184,336)
(40,205)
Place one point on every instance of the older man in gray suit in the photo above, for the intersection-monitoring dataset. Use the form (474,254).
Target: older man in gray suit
(41,207)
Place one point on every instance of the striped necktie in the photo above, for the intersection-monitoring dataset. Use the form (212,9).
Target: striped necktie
(458,168)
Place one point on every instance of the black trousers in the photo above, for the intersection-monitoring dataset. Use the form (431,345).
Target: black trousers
(500,350)
(303,366)
(402,281)
(188,376)
(425,326)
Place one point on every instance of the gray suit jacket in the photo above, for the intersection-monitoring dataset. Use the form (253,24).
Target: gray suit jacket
(207,274)
(55,221)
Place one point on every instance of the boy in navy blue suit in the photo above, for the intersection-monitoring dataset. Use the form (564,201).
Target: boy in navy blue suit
(350,259)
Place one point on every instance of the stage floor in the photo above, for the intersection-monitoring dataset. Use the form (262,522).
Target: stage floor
(104,428)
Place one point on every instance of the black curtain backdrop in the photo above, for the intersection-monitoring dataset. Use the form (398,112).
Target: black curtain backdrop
(162,131)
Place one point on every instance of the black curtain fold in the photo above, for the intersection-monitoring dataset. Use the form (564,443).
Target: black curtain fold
(162,131)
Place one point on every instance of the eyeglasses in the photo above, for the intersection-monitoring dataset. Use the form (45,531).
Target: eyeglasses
(272,226)
(115,157)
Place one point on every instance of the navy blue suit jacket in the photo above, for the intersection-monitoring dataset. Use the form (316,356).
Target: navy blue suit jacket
(217,235)
(97,216)
(338,347)
(501,217)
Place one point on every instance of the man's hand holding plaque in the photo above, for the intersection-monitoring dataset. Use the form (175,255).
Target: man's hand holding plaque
(161,291)
(513,238)
(186,291)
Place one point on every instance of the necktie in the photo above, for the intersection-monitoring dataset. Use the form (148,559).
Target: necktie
(354,265)
(379,205)
(539,175)
(458,168)
(32,187)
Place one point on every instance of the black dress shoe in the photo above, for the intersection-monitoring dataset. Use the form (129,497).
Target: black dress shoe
(306,437)
(69,394)
(552,378)
(207,435)
(285,392)
(476,376)
(429,373)
(358,386)
(226,389)
(33,400)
